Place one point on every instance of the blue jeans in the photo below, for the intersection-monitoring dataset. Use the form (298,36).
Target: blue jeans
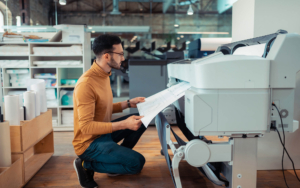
(104,155)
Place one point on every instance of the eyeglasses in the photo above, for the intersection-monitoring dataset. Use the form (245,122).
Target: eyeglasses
(121,54)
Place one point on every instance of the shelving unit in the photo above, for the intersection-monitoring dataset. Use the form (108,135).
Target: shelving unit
(62,72)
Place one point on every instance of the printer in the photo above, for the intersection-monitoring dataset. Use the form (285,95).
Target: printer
(235,96)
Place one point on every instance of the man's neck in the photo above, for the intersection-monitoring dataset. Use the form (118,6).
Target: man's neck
(104,66)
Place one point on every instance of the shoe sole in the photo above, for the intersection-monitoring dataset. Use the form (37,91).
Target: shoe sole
(78,175)
(114,175)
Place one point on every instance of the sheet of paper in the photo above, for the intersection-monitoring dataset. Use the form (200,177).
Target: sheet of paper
(254,50)
(156,103)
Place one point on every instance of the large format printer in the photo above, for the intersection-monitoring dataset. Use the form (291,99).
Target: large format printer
(235,96)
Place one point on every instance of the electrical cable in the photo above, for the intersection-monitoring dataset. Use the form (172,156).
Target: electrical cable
(283,145)
(284,149)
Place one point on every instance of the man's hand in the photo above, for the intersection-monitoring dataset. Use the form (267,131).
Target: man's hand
(133,122)
(135,101)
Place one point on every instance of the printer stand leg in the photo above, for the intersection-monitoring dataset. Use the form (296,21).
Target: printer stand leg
(175,164)
(242,172)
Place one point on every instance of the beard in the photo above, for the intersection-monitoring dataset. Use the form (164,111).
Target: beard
(113,64)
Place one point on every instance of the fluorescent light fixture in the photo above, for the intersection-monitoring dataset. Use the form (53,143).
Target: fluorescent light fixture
(90,27)
(36,28)
(30,28)
(176,25)
(204,32)
(62,2)
(187,42)
(120,29)
(190,10)
(93,31)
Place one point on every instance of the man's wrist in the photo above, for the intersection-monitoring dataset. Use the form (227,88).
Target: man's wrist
(116,126)
(124,105)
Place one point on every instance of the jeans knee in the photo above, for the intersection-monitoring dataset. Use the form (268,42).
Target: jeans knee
(142,161)
(138,164)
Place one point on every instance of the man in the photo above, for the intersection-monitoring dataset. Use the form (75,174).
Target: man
(95,136)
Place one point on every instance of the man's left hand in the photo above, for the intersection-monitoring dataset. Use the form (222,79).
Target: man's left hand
(135,101)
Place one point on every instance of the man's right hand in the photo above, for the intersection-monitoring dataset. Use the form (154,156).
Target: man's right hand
(133,122)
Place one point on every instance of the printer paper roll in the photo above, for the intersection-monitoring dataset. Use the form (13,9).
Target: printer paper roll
(29,103)
(212,44)
(254,50)
(21,114)
(21,99)
(5,151)
(39,86)
(37,103)
(12,106)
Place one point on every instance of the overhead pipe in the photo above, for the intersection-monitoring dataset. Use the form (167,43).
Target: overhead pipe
(115,10)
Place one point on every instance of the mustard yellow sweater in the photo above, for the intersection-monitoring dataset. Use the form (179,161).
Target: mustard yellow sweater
(93,107)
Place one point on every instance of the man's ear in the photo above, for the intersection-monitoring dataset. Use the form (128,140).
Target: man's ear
(106,56)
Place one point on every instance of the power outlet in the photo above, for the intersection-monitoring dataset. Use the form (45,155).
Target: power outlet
(273,125)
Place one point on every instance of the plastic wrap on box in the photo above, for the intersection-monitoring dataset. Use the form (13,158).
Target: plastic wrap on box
(57,63)
(68,82)
(72,50)
(14,50)
(66,97)
(14,63)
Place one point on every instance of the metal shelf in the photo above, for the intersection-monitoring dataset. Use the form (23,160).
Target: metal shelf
(66,86)
(14,55)
(65,106)
(15,87)
(62,71)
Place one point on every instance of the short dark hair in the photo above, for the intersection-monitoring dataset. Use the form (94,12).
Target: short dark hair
(105,43)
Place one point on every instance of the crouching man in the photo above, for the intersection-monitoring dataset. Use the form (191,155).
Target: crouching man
(95,135)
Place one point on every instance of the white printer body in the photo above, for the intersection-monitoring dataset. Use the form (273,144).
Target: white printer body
(233,95)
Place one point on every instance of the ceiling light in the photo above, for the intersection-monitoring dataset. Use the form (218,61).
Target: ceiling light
(117,29)
(178,38)
(203,32)
(93,31)
(176,25)
(90,27)
(30,28)
(190,10)
(62,2)
(181,36)
(187,42)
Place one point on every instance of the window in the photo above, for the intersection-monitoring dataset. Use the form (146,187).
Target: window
(23,5)
(1,22)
